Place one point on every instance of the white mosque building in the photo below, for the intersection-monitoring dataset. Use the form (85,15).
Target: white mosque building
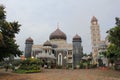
(56,50)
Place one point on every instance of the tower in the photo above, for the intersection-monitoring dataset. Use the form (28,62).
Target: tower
(28,47)
(95,36)
(77,50)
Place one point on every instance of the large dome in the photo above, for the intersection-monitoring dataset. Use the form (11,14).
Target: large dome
(57,34)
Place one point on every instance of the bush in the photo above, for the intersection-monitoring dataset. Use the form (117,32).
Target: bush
(117,65)
(30,66)
(94,66)
(69,66)
(81,65)
(59,67)
(26,71)
(85,64)
(16,62)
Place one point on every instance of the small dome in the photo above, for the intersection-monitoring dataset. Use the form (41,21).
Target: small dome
(57,34)
(94,19)
(76,38)
(29,39)
(47,43)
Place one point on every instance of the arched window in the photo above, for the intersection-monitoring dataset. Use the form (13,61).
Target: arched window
(59,59)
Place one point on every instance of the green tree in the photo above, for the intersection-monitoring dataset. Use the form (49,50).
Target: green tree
(8,30)
(114,38)
(113,52)
(2,17)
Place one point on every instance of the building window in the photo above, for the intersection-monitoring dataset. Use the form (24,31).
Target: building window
(94,44)
(40,51)
(45,51)
(69,53)
(94,40)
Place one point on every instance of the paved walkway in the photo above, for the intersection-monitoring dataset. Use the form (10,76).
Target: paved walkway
(62,74)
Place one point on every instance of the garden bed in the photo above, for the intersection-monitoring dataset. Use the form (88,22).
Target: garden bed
(26,71)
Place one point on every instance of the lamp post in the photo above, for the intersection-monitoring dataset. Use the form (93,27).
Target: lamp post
(32,57)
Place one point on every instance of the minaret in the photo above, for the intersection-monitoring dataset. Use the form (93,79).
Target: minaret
(28,47)
(95,36)
(77,50)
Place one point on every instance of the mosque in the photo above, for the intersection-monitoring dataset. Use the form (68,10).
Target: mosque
(56,50)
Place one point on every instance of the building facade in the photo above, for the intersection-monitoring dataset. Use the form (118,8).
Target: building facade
(57,51)
(102,54)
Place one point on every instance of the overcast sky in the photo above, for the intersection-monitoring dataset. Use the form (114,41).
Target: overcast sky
(40,17)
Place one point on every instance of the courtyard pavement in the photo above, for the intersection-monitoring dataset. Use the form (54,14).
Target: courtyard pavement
(63,74)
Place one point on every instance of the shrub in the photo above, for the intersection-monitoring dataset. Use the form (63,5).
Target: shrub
(69,66)
(84,65)
(27,71)
(59,67)
(30,66)
(81,65)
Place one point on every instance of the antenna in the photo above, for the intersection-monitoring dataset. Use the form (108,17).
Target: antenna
(58,25)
